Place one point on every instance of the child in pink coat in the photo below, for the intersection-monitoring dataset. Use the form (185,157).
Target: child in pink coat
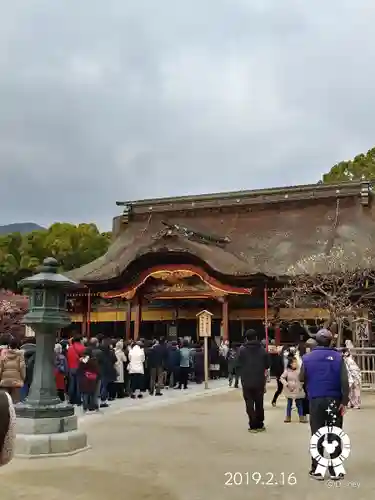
(293,390)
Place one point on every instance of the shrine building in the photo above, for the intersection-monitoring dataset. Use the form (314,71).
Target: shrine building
(173,257)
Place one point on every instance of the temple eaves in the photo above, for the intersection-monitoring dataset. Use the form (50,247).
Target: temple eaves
(251,197)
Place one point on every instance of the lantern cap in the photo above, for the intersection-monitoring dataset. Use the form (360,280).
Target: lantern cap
(48,277)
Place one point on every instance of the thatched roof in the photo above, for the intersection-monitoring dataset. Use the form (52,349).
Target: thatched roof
(241,237)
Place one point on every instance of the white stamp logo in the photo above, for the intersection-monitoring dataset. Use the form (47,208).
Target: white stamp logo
(329,439)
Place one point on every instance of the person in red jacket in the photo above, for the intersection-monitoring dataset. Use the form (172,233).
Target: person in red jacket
(73,355)
(88,377)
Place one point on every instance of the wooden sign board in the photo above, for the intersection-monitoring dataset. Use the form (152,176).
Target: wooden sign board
(362,331)
(204,323)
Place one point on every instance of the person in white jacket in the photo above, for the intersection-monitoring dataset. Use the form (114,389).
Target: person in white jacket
(136,370)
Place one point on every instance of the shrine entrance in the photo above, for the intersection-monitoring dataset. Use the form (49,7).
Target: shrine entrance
(179,292)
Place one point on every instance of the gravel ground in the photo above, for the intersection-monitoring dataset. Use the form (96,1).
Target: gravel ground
(187,450)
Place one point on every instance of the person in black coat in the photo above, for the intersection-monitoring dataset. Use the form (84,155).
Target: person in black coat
(173,364)
(278,368)
(150,363)
(107,369)
(198,361)
(253,363)
(214,360)
(29,349)
(159,354)
(232,359)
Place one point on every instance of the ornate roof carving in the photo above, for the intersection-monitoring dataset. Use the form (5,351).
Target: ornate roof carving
(173,230)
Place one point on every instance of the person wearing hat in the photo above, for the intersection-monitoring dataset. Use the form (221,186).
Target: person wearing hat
(310,344)
(324,373)
(253,364)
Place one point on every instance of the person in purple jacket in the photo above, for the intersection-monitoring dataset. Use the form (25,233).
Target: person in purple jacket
(325,376)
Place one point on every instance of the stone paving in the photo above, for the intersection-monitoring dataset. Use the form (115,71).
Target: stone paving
(185,446)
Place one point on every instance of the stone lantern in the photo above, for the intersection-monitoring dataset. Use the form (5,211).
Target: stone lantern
(45,425)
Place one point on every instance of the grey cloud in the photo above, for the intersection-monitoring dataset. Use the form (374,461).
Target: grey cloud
(103,100)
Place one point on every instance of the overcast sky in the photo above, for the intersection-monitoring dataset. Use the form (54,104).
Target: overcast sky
(107,100)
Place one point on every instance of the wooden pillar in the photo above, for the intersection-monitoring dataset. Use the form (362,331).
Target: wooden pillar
(128,320)
(88,317)
(277,334)
(266,315)
(83,325)
(225,319)
(138,317)
(83,310)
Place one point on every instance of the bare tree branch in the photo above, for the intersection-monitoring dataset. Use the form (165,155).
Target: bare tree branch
(337,282)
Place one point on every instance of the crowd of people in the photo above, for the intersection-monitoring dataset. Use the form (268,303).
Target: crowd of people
(107,369)
(93,372)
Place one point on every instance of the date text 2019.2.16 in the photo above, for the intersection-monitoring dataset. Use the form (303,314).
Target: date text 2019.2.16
(258,478)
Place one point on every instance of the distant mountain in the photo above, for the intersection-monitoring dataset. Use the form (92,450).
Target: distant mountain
(20,227)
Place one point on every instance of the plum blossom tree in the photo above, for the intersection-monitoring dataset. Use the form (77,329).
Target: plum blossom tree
(12,309)
(338,282)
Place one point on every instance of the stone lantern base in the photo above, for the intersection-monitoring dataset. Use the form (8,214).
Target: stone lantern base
(49,437)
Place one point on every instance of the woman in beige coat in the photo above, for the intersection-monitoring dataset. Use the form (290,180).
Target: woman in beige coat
(7,428)
(12,370)
(120,369)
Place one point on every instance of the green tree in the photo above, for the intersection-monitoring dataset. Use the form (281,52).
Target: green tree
(362,167)
(9,260)
(73,246)
(32,250)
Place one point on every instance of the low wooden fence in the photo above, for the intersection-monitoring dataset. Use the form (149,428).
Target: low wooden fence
(365,359)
